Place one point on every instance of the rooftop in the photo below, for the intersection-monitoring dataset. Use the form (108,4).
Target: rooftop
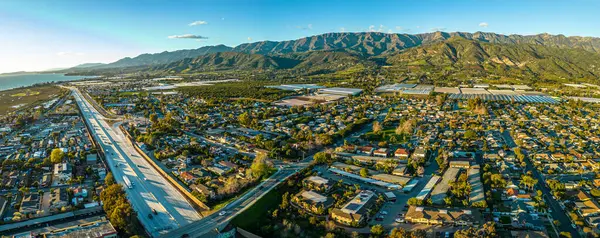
(317,180)
(313,196)
(354,205)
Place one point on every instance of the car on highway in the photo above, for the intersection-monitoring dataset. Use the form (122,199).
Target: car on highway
(222,213)
(145,179)
(574,226)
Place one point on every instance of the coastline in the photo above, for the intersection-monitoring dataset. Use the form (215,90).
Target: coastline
(23,80)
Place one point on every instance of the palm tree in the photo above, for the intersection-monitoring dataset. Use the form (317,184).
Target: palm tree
(528,182)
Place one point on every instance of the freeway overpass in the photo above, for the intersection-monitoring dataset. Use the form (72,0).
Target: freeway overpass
(150,192)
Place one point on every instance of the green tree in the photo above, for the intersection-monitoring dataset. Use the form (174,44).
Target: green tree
(109,179)
(489,229)
(153,118)
(56,156)
(321,157)
(466,233)
(260,166)
(117,208)
(595,192)
(399,232)
(470,134)
(377,230)
(324,139)
(565,234)
(414,202)
(364,172)
(244,119)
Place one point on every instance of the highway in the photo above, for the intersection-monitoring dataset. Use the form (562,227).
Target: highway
(150,191)
(208,225)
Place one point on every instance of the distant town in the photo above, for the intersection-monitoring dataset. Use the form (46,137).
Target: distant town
(168,157)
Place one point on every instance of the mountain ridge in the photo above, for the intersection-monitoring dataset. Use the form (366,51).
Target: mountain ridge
(363,43)
(475,58)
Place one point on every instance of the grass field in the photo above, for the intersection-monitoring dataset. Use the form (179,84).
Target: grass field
(12,100)
(251,218)
(26,93)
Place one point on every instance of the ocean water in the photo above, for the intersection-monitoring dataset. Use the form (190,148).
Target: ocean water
(21,80)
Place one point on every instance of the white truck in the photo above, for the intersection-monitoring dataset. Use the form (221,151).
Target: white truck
(127,182)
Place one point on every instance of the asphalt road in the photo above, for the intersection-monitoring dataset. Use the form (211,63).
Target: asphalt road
(150,190)
(208,225)
(557,212)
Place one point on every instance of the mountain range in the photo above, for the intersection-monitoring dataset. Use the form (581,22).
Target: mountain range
(515,55)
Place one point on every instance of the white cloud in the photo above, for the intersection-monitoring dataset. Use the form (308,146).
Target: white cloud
(438,29)
(381,28)
(307,27)
(342,29)
(399,28)
(484,24)
(249,38)
(187,36)
(197,23)
(390,31)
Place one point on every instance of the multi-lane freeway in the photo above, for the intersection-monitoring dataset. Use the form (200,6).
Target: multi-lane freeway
(159,205)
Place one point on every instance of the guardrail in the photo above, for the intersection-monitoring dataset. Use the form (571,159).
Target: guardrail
(199,205)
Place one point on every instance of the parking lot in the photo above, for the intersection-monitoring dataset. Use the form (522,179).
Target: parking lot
(392,209)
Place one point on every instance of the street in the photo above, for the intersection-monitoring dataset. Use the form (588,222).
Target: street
(557,212)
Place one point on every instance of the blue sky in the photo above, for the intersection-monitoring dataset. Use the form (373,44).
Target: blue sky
(40,34)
